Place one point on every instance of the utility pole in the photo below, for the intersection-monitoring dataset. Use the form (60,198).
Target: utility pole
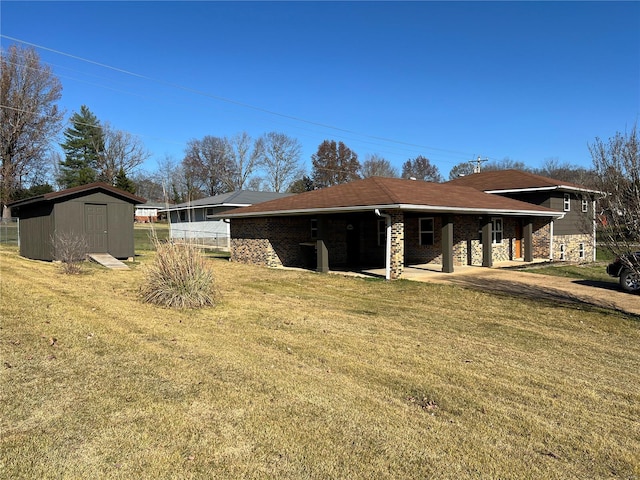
(477,163)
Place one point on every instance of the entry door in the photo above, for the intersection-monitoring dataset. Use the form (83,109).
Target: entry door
(518,246)
(353,244)
(95,227)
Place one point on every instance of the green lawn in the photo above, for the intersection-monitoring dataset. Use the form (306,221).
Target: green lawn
(302,375)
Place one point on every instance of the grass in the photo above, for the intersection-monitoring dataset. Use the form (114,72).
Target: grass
(143,235)
(301,375)
(596,271)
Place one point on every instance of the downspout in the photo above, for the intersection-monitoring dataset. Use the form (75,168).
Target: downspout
(387,261)
(594,230)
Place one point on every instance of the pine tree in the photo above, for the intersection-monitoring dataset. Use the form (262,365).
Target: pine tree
(84,142)
(123,182)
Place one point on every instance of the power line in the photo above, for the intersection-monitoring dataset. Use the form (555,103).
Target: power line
(235,102)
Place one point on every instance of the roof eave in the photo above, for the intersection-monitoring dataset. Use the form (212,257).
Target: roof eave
(542,189)
(406,207)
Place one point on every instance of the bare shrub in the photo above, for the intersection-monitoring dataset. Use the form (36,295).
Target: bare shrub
(70,249)
(179,277)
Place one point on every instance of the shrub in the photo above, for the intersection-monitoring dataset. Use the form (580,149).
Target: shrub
(179,277)
(70,250)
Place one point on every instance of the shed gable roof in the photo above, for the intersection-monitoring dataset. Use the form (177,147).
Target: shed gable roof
(396,193)
(79,190)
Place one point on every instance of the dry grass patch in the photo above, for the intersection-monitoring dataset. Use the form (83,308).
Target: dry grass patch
(302,375)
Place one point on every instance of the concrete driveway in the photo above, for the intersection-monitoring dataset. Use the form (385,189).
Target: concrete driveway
(530,285)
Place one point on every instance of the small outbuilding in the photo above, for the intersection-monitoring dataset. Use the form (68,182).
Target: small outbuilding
(100,214)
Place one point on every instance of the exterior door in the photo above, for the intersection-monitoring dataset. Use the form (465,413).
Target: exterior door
(95,227)
(353,244)
(518,246)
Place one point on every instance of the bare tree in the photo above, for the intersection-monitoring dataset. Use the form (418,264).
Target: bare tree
(245,157)
(461,169)
(208,166)
(334,163)
(280,156)
(566,172)
(121,151)
(421,168)
(377,166)
(505,164)
(617,174)
(29,118)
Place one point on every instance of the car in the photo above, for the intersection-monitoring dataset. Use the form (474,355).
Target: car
(629,278)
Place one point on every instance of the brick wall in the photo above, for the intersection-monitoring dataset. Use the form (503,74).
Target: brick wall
(279,241)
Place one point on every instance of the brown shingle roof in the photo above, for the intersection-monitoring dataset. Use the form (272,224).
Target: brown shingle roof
(512,180)
(96,186)
(378,192)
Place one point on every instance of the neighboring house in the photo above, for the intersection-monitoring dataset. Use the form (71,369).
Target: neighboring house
(573,235)
(148,212)
(97,212)
(390,222)
(199,219)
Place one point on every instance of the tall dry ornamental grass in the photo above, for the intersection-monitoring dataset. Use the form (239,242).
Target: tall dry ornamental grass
(179,277)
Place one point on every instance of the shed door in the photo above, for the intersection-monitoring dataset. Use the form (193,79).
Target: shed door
(95,227)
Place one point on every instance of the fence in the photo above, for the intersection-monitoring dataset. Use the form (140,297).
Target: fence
(10,231)
(201,238)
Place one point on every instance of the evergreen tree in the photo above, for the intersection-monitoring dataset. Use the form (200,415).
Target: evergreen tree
(84,142)
(123,182)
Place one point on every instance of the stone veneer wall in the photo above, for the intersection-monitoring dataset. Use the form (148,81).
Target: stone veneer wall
(572,247)
(397,244)
(250,243)
(466,240)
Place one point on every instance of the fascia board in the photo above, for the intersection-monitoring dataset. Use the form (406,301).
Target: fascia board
(406,207)
(543,189)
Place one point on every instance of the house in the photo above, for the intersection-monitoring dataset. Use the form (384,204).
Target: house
(148,212)
(391,222)
(97,212)
(573,235)
(198,219)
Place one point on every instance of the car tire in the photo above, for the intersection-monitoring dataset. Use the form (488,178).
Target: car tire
(629,281)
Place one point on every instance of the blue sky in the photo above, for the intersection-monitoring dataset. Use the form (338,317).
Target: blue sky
(447,80)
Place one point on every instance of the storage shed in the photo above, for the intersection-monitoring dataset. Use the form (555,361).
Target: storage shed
(99,213)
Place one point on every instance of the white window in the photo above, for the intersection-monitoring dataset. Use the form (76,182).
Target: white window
(382,232)
(496,230)
(562,252)
(426,231)
(209,213)
(567,202)
(585,205)
(314,228)
(581,251)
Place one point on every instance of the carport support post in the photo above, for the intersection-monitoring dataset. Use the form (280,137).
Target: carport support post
(322,254)
(447,244)
(528,241)
(487,239)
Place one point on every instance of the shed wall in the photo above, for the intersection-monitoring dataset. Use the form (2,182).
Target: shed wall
(36,232)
